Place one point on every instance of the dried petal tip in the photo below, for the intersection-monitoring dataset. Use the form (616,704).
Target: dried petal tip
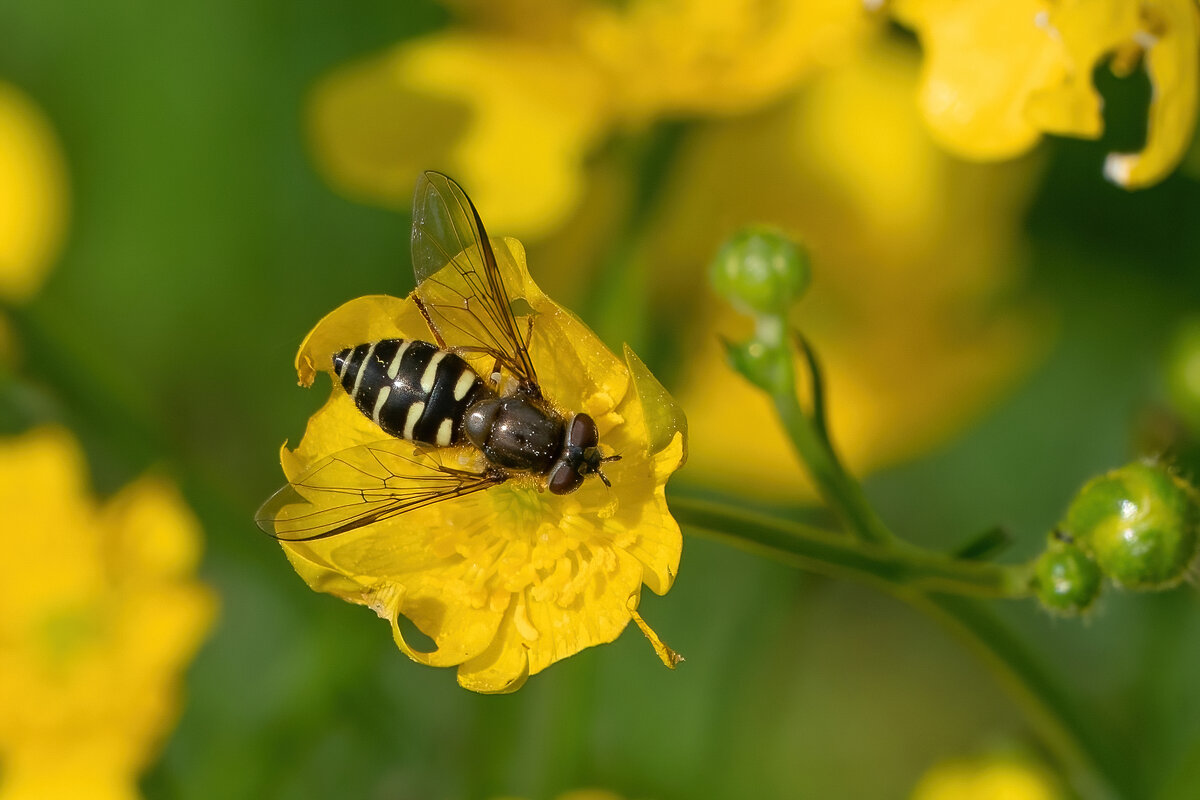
(669,657)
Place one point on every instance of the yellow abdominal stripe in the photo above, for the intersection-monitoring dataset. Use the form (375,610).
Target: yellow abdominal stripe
(410,421)
(430,373)
(465,382)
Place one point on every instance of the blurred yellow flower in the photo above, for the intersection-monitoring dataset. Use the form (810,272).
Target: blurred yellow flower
(499,112)
(508,580)
(913,254)
(519,94)
(522,97)
(1000,73)
(664,57)
(33,195)
(1001,777)
(101,613)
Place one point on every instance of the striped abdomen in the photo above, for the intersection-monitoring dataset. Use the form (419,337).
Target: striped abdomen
(410,388)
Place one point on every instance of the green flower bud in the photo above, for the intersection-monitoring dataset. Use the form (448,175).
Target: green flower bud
(1139,523)
(760,271)
(1067,580)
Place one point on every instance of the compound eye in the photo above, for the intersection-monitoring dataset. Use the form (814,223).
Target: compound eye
(583,432)
(563,479)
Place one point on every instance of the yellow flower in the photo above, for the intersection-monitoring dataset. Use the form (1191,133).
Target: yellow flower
(999,777)
(523,97)
(715,56)
(912,253)
(101,613)
(33,195)
(1000,73)
(508,580)
(498,112)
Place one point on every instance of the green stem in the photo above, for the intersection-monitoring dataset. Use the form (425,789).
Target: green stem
(894,569)
(948,589)
(837,488)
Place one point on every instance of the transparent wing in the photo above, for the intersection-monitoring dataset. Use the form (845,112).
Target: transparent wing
(364,485)
(452,258)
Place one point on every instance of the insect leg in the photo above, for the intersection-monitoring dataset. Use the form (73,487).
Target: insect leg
(437,335)
(530,386)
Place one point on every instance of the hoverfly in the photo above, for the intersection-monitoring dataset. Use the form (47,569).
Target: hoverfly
(429,401)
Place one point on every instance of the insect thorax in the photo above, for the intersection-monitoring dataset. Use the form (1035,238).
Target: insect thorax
(516,432)
(410,388)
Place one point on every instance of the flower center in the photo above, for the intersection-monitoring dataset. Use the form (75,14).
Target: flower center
(520,508)
(526,542)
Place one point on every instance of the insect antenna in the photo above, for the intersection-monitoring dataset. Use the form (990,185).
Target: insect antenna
(603,477)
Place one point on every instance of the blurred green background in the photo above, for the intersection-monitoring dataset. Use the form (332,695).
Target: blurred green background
(203,245)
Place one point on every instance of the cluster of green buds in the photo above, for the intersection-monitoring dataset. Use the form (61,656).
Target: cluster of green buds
(762,273)
(1136,526)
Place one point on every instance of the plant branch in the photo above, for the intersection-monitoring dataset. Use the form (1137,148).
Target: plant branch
(893,569)
(948,589)
(840,491)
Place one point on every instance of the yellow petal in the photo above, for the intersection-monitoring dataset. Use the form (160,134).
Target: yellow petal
(33,195)
(715,56)
(665,421)
(460,631)
(597,617)
(997,74)
(512,121)
(659,540)
(101,615)
(650,415)
(503,667)
(1086,31)
(151,532)
(983,60)
(1170,36)
(42,489)
(79,772)
(364,319)
(577,377)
